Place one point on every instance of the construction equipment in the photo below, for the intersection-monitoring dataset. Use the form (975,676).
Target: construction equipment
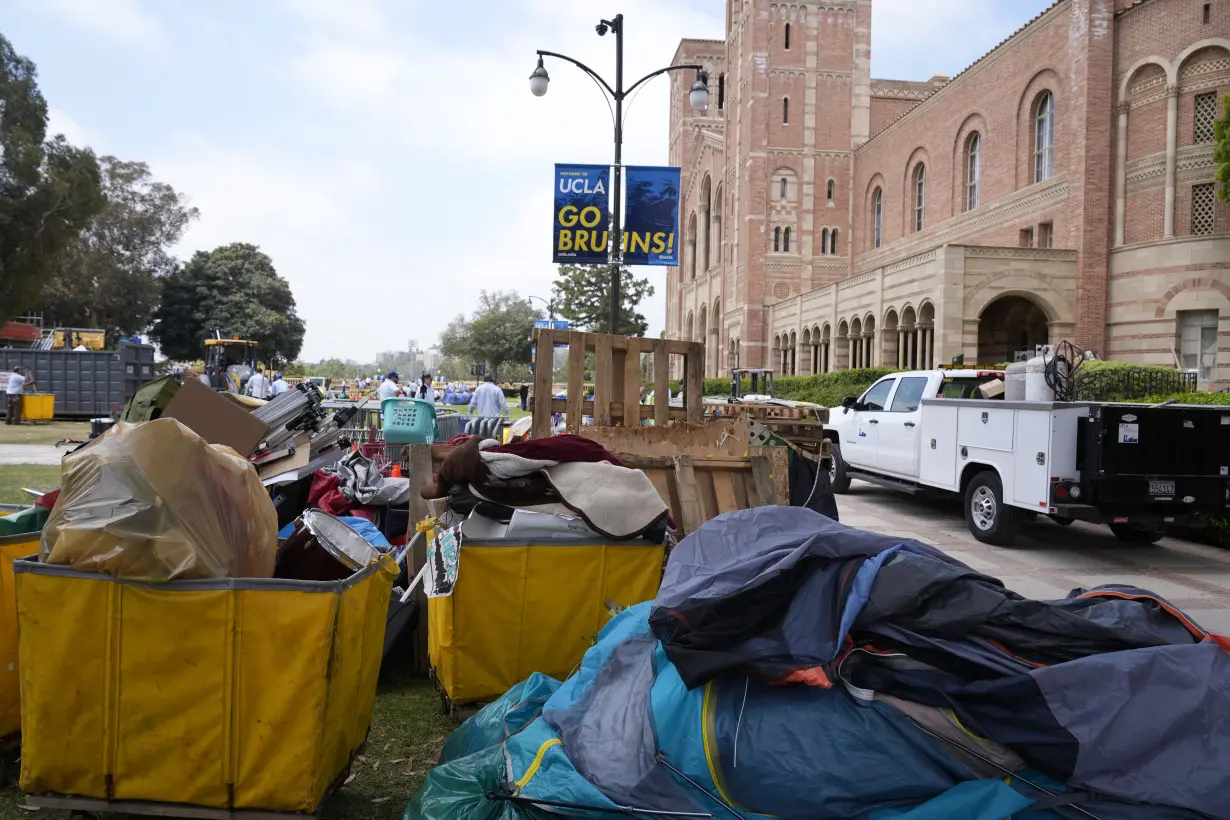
(229,363)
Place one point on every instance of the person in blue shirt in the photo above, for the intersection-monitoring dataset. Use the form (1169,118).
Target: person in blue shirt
(488,400)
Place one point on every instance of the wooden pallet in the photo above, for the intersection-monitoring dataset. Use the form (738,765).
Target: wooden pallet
(761,411)
(697,489)
(617,380)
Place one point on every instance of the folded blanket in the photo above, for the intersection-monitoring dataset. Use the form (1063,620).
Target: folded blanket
(614,501)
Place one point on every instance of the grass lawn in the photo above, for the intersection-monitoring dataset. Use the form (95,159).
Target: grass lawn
(43,432)
(36,476)
(407,732)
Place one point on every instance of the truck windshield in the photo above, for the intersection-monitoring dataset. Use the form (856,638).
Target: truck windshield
(962,388)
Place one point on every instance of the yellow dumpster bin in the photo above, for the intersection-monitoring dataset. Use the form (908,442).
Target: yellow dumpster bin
(12,548)
(520,607)
(229,694)
(38,406)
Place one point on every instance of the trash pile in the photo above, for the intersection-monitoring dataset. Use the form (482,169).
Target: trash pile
(797,668)
(154,502)
(565,482)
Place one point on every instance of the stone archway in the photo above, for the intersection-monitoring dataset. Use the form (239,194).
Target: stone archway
(1008,324)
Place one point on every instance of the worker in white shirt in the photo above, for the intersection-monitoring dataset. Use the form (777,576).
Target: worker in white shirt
(488,400)
(424,390)
(258,385)
(14,395)
(390,387)
(279,386)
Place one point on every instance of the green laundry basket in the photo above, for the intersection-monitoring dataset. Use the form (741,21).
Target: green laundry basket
(408,421)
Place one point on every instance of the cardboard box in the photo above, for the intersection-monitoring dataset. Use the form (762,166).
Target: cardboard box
(216,419)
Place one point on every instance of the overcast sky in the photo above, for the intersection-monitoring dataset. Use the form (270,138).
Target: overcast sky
(387,154)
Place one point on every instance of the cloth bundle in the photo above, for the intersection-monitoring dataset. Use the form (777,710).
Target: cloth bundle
(561,475)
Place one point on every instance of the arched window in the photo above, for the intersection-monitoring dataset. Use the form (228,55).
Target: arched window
(973,171)
(877,217)
(787,35)
(777,239)
(824,241)
(920,196)
(785,110)
(786,241)
(831,190)
(833,243)
(1044,138)
(782,188)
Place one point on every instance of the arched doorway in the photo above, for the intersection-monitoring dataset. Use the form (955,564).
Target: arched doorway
(1009,324)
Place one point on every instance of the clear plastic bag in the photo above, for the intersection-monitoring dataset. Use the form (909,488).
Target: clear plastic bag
(155,502)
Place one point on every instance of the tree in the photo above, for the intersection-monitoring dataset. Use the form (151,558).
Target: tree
(1221,153)
(583,294)
(497,335)
(49,190)
(235,290)
(111,276)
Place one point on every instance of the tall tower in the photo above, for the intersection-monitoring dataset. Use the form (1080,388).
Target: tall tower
(798,92)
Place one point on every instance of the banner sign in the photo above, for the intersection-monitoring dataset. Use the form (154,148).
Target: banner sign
(582,214)
(651,227)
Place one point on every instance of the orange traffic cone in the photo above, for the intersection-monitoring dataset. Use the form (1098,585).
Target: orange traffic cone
(396,471)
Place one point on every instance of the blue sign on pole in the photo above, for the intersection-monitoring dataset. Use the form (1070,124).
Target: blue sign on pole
(651,227)
(582,214)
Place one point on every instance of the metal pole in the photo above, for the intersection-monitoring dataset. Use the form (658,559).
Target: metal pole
(617,208)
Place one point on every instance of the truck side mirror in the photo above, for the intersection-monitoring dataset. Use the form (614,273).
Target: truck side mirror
(848,402)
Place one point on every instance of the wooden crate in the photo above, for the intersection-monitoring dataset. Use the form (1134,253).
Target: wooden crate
(617,380)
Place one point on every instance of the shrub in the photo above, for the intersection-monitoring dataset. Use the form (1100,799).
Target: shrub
(827,389)
(1124,381)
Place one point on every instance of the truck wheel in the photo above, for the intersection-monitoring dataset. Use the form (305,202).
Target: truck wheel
(989,519)
(837,471)
(1137,533)
(1063,520)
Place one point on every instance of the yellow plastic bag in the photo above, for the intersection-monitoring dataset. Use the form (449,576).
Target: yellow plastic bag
(154,502)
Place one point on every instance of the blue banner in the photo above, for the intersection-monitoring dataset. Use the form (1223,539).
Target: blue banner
(582,214)
(651,227)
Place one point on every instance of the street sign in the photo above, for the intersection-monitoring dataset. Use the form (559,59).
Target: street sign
(551,324)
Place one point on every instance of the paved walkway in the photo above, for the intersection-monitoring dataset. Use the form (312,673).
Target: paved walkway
(1048,560)
(31,454)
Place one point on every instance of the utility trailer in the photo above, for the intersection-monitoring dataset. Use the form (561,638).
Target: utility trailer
(1136,468)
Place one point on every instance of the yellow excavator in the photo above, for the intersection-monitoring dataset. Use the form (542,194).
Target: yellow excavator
(229,363)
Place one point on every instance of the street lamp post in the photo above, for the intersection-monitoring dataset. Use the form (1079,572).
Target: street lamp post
(550,306)
(698,96)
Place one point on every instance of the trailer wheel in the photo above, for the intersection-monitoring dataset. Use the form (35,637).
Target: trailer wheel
(837,470)
(1137,533)
(1063,520)
(989,519)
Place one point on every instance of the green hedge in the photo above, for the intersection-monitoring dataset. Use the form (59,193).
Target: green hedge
(827,389)
(1125,381)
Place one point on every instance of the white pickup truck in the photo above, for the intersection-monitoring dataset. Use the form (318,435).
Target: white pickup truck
(931,431)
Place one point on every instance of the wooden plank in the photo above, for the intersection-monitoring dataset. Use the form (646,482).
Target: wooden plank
(704,488)
(741,480)
(576,380)
(632,384)
(689,495)
(762,482)
(661,386)
(724,491)
(779,471)
(658,479)
(713,438)
(618,356)
(604,363)
(694,385)
(544,368)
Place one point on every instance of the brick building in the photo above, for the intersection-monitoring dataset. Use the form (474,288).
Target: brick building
(1061,187)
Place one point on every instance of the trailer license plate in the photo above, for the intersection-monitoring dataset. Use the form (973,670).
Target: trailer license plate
(1161,488)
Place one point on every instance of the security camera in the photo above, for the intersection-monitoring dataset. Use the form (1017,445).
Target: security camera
(601,28)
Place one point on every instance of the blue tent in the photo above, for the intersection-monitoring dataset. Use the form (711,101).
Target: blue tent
(792,667)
